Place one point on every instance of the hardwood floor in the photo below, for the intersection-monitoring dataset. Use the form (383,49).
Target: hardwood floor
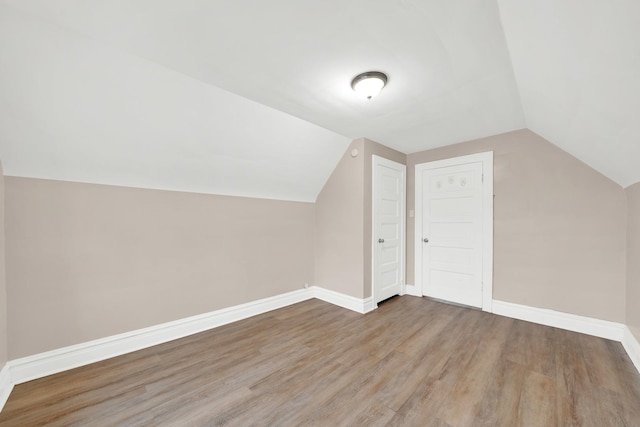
(411,362)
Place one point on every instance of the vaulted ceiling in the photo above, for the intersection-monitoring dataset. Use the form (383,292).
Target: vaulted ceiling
(253,98)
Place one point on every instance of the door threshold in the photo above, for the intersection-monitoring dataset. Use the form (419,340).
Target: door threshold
(457,304)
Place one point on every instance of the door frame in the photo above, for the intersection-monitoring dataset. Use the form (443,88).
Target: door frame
(486,158)
(403,223)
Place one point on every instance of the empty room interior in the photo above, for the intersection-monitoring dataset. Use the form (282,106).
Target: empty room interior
(357,212)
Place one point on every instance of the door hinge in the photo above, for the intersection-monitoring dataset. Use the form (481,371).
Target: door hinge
(482,177)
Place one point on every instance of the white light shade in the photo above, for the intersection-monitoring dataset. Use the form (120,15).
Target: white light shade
(369,84)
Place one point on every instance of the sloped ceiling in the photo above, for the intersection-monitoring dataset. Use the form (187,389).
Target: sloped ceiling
(577,66)
(75,109)
(253,98)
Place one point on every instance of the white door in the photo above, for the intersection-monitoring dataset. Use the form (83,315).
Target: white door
(452,230)
(389,189)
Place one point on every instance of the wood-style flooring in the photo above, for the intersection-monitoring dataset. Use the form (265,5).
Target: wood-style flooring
(411,362)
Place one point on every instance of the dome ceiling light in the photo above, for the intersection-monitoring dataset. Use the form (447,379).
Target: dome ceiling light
(369,84)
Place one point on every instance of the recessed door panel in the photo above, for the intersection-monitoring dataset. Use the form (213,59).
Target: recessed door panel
(451,207)
(389,207)
(389,255)
(452,233)
(390,230)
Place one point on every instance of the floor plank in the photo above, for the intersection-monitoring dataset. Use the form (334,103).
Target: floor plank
(413,361)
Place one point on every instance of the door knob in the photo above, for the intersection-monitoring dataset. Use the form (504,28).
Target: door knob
(426,240)
(380,240)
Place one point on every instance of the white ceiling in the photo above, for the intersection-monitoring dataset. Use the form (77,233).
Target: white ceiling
(145,92)
(577,65)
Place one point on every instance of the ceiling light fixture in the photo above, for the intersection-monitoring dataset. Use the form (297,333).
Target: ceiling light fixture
(369,84)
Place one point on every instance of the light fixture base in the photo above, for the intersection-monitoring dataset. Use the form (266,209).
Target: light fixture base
(369,84)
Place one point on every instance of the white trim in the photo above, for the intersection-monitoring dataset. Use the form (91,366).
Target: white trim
(487,232)
(632,346)
(51,362)
(571,322)
(5,385)
(54,361)
(486,158)
(375,161)
(413,291)
(345,301)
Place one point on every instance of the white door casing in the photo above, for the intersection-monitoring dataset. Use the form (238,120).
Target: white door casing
(388,228)
(454,213)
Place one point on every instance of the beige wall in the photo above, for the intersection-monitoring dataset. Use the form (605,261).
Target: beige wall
(559,226)
(633,259)
(3,282)
(343,221)
(372,148)
(339,259)
(87,261)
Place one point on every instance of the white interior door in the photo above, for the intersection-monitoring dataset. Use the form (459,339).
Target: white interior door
(389,189)
(452,231)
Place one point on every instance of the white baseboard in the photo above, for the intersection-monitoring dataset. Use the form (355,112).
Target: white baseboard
(40,365)
(5,385)
(632,346)
(412,290)
(571,322)
(345,301)
(51,362)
